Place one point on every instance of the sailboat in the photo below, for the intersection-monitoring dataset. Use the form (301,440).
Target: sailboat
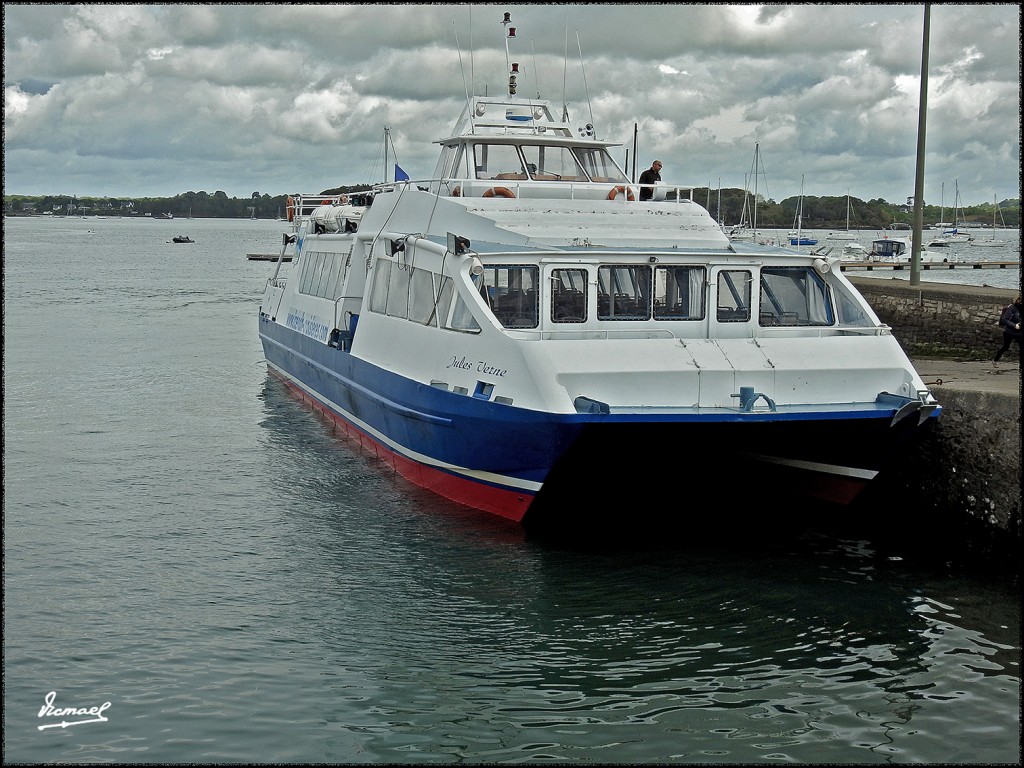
(942,209)
(796,237)
(990,242)
(741,232)
(955,234)
(847,235)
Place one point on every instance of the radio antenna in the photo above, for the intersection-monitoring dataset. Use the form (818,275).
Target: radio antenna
(586,90)
(535,81)
(462,67)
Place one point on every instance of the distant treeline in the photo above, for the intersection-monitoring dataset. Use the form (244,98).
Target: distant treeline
(818,212)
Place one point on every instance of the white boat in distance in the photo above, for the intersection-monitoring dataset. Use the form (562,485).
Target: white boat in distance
(522,334)
(897,250)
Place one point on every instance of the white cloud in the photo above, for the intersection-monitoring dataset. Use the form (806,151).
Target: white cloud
(159,99)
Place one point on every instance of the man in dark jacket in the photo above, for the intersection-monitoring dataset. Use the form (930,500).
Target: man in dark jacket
(1009,321)
(651,176)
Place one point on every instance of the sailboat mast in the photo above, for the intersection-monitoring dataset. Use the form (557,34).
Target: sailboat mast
(756,161)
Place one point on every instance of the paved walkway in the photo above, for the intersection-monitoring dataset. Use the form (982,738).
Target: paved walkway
(974,375)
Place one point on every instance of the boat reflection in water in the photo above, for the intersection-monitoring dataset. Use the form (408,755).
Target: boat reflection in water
(521,330)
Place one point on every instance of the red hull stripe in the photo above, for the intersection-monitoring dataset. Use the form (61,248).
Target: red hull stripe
(499,501)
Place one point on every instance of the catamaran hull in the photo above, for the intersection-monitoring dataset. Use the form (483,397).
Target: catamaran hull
(510,461)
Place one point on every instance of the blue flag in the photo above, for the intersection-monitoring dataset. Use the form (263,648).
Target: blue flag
(400,175)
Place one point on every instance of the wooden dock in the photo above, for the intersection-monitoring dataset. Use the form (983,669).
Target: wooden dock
(267,256)
(871,265)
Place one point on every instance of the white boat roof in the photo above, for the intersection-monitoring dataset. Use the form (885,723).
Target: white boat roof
(521,121)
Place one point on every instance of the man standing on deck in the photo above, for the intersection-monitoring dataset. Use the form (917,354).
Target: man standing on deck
(651,176)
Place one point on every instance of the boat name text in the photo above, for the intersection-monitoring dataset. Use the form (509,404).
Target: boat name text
(313,327)
(481,366)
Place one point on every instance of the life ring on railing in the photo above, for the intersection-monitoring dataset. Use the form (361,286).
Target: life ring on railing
(291,209)
(457,192)
(615,191)
(499,192)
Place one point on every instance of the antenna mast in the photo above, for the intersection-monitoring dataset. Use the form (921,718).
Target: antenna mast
(585,88)
(513,67)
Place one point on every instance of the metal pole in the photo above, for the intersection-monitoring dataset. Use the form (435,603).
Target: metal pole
(635,130)
(915,257)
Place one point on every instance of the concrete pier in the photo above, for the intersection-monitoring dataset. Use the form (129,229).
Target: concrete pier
(969,465)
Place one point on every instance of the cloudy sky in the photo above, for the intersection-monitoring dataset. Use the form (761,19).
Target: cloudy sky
(156,100)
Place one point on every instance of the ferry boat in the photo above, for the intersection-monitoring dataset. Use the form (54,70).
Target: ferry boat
(521,333)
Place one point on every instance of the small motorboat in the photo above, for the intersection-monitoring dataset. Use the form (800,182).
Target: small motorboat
(182,239)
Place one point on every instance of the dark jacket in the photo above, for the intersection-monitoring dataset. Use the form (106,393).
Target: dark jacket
(1009,319)
(650,176)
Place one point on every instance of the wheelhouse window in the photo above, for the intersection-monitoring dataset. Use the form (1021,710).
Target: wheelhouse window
(453,162)
(599,164)
(679,293)
(547,163)
(624,292)
(511,292)
(498,161)
(794,296)
(569,295)
(734,289)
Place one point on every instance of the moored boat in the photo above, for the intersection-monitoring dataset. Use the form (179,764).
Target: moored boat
(898,250)
(523,334)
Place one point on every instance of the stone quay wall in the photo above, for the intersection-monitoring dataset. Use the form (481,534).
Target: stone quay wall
(939,318)
(969,466)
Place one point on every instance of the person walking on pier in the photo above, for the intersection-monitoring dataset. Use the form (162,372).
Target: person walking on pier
(1009,321)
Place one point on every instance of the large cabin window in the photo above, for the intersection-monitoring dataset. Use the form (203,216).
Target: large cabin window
(733,302)
(498,161)
(510,291)
(850,312)
(421,297)
(624,292)
(322,274)
(794,296)
(679,293)
(409,292)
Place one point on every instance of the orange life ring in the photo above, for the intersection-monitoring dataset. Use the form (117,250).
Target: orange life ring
(627,190)
(291,209)
(499,192)
(457,192)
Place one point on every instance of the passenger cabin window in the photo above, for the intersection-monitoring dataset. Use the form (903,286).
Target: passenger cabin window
(322,274)
(849,311)
(511,292)
(794,296)
(624,292)
(420,296)
(733,303)
(569,295)
(679,293)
